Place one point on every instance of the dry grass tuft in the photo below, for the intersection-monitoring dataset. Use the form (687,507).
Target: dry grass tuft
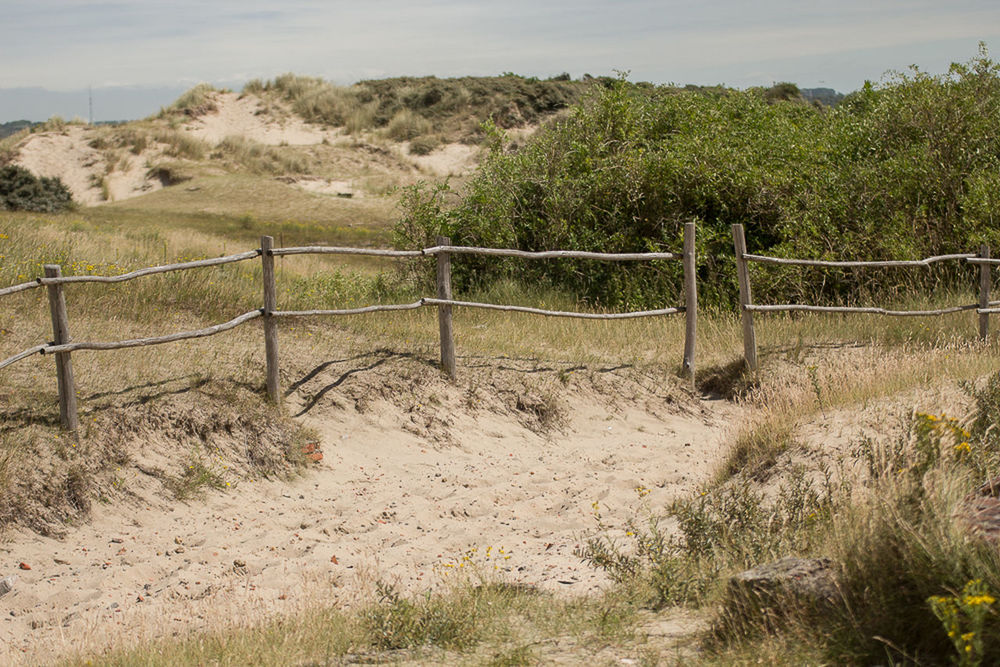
(258,158)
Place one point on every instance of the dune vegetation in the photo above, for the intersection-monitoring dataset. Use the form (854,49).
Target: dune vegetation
(905,168)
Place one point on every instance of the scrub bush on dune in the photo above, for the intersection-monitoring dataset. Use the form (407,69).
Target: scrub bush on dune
(20,190)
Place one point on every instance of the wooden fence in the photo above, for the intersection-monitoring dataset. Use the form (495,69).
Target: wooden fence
(62,344)
(984,307)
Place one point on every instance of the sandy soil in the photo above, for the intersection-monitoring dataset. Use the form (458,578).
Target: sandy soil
(68,156)
(249,117)
(448,160)
(401,495)
(324,186)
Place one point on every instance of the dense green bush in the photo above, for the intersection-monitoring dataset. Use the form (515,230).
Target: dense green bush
(903,169)
(20,190)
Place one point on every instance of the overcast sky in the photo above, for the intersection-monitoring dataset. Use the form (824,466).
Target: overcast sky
(65,45)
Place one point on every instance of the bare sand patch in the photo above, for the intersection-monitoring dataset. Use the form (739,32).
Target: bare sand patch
(68,155)
(250,117)
(448,160)
(324,186)
(503,471)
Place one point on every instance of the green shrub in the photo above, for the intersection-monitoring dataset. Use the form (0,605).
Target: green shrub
(20,190)
(453,621)
(623,173)
(782,91)
(903,169)
(720,532)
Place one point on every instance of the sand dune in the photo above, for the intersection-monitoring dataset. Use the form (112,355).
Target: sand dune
(69,153)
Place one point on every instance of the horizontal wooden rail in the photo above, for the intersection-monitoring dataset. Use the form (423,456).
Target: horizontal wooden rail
(983,260)
(849,309)
(334,250)
(428,301)
(13,289)
(251,254)
(465,250)
(253,314)
(552,254)
(764,259)
(554,313)
(349,311)
(156,340)
(216,261)
(22,355)
(183,266)
(988,311)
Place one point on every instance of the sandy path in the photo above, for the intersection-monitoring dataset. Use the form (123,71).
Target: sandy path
(385,503)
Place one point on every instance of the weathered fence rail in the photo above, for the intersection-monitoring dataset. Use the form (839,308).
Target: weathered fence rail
(154,340)
(748,307)
(62,344)
(554,313)
(153,270)
(764,259)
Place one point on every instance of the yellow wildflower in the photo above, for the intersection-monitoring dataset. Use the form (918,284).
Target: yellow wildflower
(976,600)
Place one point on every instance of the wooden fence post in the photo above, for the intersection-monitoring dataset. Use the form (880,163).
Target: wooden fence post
(746,298)
(444,311)
(64,366)
(270,326)
(690,299)
(985,281)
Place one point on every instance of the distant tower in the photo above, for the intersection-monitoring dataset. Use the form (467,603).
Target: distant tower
(90,100)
